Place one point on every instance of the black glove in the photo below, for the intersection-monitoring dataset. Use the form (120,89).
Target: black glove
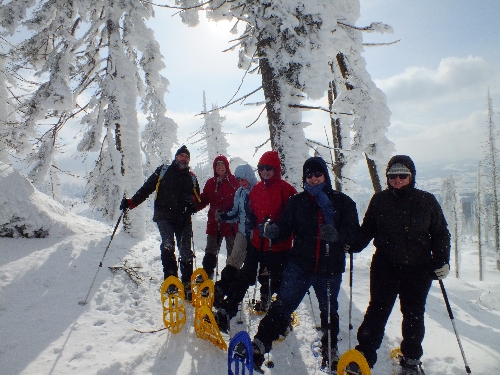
(250,221)
(271,230)
(260,228)
(190,203)
(125,204)
(328,233)
(220,215)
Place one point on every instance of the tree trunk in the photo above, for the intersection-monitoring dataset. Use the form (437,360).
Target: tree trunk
(336,130)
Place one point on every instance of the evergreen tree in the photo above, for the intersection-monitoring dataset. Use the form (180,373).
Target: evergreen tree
(452,209)
(492,164)
(99,58)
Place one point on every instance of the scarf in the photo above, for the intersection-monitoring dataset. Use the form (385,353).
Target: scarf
(324,203)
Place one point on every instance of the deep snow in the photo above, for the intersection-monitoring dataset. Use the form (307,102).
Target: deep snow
(43,329)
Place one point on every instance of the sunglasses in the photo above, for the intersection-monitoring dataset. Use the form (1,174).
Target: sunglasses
(315,174)
(402,176)
(265,167)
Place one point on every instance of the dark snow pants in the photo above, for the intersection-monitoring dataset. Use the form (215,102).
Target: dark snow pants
(387,281)
(294,286)
(271,263)
(169,233)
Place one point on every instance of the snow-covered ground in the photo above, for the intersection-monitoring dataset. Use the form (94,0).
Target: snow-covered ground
(44,330)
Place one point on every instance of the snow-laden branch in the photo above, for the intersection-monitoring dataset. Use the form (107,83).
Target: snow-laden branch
(174,7)
(378,27)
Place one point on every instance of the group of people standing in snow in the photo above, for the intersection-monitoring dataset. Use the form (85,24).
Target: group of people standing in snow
(289,241)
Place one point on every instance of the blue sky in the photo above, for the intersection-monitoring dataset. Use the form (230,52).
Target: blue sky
(435,78)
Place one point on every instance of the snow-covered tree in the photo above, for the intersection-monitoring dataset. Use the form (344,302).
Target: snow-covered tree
(95,60)
(452,209)
(293,42)
(480,213)
(492,165)
(213,141)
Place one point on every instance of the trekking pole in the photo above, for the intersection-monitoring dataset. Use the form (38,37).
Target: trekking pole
(351,263)
(83,303)
(312,309)
(450,313)
(329,317)
(255,286)
(194,248)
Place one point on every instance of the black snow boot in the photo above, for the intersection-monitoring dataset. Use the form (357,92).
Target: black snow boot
(209,263)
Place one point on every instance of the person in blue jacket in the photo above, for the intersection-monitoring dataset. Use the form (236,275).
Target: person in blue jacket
(246,178)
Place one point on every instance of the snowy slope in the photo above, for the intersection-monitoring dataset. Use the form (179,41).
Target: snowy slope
(43,329)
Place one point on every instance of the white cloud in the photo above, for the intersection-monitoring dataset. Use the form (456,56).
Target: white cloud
(455,79)
(456,139)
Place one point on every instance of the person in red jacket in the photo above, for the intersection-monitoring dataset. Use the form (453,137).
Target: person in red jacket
(268,200)
(218,192)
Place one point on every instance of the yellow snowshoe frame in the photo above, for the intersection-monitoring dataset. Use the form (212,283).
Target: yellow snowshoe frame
(200,300)
(353,355)
(196,286)
(206,328)
(174,310)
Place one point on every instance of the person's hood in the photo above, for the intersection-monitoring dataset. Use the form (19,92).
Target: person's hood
(407,162)
(316,164)
(224,160)
(246,172)
(272,158)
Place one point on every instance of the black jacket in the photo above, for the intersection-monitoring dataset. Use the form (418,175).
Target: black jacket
(301,217)
(175,199)
(408,227)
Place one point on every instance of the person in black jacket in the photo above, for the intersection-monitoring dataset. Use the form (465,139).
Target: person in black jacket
(177,194)
(322,222)
(412,244)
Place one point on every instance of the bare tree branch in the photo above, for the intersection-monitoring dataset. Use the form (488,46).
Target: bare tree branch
(257,119)
(380,44)
(260,146)
(320,108)
(174,7)
(228,104)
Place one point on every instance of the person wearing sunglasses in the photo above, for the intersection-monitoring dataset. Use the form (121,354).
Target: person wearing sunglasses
(322,222)
(264,260)
(412,247)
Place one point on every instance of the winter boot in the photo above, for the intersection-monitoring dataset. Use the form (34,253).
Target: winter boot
(169,262)
(188,295)
(186,267)
(218,296)
(172,289)
(223,320)
(209,263)
(353,369)
(409,366)
(258,355)
(263,305)
(334,357)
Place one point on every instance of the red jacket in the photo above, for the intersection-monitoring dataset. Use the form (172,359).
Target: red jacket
(219,194)
(268,200)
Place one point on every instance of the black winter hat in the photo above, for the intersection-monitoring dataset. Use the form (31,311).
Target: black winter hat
(183,150)
(315,164)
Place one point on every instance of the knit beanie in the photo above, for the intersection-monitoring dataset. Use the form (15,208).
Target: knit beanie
(183,150)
